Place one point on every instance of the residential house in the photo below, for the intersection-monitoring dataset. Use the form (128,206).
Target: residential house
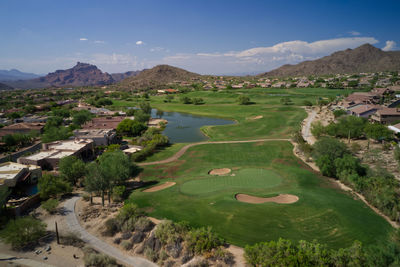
(104,122)
(22,128)
(364,111)
(386,115)
(53,152)
(100,137)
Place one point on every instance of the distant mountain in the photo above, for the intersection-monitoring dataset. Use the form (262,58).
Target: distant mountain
(157,76)
(366,58)
(121,76)
(5,87)
(82,74)
(14,75)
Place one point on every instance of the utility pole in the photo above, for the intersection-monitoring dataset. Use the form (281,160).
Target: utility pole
(58,238)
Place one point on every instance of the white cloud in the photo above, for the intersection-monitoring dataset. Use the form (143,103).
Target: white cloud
(354,33)
(139,42)
(99,42)
(157,49)
(83,39)
(390,45)
(260,59)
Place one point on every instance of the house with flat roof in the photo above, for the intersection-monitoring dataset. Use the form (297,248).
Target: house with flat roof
(53,152)
(100,137)
(103,123)
(12,173)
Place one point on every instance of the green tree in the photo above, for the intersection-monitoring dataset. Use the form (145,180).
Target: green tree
(111,169)
(160,113)
(56,133)
(141,116)
(72,169)
(95,181)
(186,100)
(23,231)
(145,107)
(82,116)
(243,100)
(198,101)
(4,194)
(131,127)
(378,132)
(50,205)
(325,151)
(52,186)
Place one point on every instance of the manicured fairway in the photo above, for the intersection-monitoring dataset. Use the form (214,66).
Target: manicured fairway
(242,180)
(323,212)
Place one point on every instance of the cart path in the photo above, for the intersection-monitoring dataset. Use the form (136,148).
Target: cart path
(306,132)
(96,243)
(182,151)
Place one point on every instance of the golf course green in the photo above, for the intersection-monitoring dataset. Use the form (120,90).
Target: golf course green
(323,211)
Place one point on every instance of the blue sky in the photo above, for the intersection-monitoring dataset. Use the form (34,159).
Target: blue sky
(208,37)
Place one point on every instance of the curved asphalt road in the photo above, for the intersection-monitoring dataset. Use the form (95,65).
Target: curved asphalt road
(103,247)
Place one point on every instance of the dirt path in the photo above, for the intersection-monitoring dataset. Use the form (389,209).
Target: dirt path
(96,243)
(185,148)
(306,129)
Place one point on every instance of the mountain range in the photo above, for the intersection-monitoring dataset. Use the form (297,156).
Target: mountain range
(82,74)
(365,58)
(14,75)
(157,76)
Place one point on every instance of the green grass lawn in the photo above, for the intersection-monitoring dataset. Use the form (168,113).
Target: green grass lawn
(165,152)
(323,212)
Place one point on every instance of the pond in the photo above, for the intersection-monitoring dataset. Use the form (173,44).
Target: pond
(185,128)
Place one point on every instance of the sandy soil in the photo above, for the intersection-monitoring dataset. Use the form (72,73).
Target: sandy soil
(59,255)
(222,171)
(281,199)
(255,117)
(159,187)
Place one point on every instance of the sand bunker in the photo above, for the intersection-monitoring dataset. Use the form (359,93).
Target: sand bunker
(255,117)
(222,171)
(281,199)
(159,187)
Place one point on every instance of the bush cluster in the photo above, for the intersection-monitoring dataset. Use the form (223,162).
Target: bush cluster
(378,186)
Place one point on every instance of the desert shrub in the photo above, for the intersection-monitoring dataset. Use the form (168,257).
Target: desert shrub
(169,233)
(150,254)
(126,244)
(355,148)
(117,240)
(243,100)
(129,210)
(143,224)
(307,103)
(339,112)
(223,255)
(50,205)
(118,193)
(86,196)
(129,225)
(163,256)
(95,259)
(22,231)
(126,235)
(71,239)
(111,227)
(203,240)
(317,129)
(397,153)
